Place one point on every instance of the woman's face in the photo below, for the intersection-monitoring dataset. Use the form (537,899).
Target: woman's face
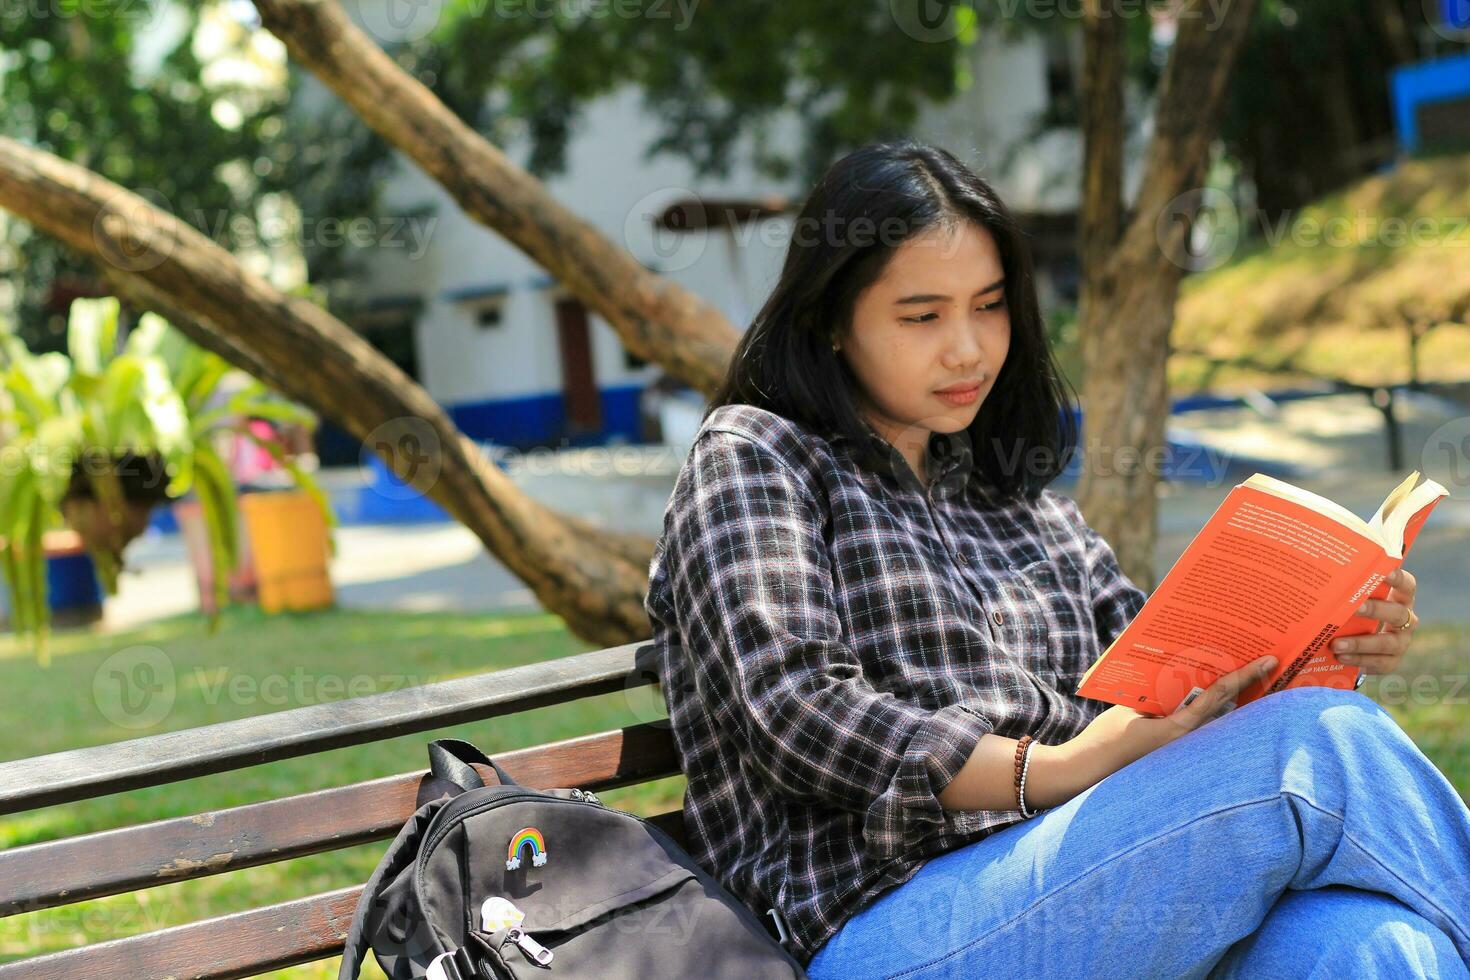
(936,319)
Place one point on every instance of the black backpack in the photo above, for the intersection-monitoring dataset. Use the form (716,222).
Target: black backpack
(508,881)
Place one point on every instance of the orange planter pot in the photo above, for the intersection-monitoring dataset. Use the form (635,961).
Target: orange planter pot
(288,542)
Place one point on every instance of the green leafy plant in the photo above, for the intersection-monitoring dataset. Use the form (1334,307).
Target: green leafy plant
(97,437)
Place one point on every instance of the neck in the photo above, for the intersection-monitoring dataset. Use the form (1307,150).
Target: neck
(912,444)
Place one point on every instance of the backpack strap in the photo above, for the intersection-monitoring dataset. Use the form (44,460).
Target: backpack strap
(475,960)
(400,853)
(450,758)
(454,965)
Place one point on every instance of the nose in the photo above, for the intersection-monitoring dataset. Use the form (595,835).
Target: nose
(964,350)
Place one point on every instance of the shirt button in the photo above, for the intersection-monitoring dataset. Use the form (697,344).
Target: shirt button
(997,618)
(964,557)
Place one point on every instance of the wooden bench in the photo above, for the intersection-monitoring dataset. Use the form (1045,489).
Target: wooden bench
(313,927)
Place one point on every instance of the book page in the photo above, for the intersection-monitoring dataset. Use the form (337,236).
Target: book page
(1403,518)
(1315,501)
(1390,502)
(1266,575)
(1404,514)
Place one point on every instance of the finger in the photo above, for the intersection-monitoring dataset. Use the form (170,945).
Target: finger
(1229,686)
(1223,708)
(1372,664)
(1395,614)
(1395,650)
(1367,645)
(1404,581)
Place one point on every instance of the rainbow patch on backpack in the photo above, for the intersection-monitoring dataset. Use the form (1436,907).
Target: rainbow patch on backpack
(524,836)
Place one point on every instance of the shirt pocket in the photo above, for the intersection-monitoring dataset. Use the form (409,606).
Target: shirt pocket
(1054,617)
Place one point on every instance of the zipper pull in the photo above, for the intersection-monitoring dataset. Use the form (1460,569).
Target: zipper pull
(534,950)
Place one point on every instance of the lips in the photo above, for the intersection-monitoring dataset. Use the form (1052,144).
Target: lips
(959,389)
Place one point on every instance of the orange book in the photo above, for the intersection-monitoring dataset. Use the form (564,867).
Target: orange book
(1276,570)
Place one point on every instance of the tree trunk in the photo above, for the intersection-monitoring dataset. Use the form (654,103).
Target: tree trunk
(1391,26)
(1131,276)
(594,579)
(657,320)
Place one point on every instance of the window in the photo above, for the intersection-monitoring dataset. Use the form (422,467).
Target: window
(489,315)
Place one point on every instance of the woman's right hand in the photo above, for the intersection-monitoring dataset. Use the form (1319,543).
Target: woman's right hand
(1120,735)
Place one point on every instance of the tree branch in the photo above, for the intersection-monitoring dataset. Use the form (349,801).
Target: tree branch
(656,319)
(1191,98)
(594,580)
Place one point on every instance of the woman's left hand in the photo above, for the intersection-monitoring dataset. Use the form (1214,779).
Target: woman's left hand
(1380,653)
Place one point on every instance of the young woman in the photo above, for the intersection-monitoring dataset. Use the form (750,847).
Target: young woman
(871,614)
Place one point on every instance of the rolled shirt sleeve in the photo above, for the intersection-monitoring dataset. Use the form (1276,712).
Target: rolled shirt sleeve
(754,592)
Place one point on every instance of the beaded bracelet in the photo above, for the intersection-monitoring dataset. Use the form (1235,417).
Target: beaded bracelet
(1023,763)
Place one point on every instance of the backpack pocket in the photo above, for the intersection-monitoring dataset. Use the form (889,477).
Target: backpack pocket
(647,932)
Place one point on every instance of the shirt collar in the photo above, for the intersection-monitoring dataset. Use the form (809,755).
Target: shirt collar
(950,458)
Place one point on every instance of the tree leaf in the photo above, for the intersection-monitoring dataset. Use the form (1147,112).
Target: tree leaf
(91,333)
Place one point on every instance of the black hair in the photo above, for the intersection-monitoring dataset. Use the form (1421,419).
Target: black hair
(1025,432)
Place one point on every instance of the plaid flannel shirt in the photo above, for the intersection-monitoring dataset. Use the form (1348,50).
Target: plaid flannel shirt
(833,637)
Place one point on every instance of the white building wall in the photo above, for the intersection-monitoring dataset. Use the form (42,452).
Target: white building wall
(611,185)
(606,183)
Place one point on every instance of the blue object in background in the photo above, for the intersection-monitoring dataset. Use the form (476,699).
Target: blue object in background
(1428,81)
(535,420)
(163,520)
(1455,13)
(385,499)
(72,582)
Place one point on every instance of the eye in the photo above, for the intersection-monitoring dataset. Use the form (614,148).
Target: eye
(926,317)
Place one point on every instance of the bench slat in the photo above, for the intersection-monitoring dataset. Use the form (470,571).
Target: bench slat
(74,869)
(243,944)
(79,774)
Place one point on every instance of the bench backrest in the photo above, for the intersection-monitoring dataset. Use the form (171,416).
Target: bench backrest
(243,944)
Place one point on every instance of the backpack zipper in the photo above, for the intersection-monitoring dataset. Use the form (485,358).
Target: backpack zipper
(587,796)
(528,946)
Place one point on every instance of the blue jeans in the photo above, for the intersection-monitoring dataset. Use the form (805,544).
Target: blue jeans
(1301,835)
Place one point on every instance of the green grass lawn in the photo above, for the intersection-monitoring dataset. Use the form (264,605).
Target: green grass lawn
(1331,288)
(260,664)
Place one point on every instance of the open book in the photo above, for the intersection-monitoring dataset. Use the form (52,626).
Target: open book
(1276,570)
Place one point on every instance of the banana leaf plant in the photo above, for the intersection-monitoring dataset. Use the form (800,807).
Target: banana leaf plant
(97,437)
